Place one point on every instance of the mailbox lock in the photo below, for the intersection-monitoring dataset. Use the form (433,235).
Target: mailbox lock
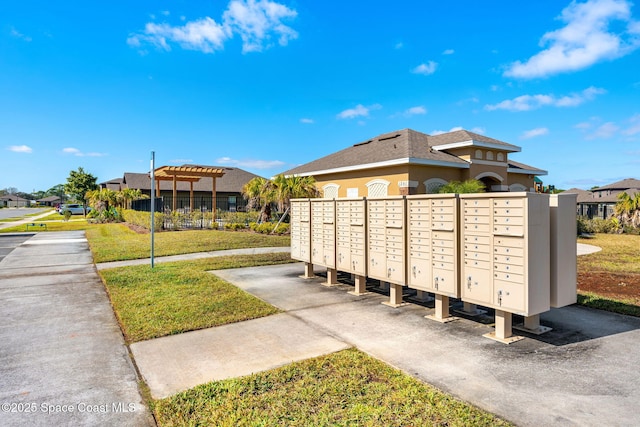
(500,297)
(436,282)
(469,282)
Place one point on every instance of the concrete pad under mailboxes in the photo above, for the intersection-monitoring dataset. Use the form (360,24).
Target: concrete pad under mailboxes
(179,362)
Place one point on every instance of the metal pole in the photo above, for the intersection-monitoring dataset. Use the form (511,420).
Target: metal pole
(153,202)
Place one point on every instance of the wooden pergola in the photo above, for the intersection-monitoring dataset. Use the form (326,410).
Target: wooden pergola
(189,174)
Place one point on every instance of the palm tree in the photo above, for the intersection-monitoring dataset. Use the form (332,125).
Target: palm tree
(126,196)
(101,199)
(627,209)
(468,186)
(293,187)
(260,192)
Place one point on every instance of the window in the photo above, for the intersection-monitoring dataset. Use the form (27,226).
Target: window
(478,154)
(517,187)
(500,157)
(378,188)
(330,191)
(489,155)
(433,185)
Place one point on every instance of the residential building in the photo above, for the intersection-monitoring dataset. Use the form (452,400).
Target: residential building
(409,162)
(228,189)
(600,202)
(13,201)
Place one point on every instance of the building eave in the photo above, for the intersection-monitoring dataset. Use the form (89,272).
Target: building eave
(527,171)
(474,143)
(387,163)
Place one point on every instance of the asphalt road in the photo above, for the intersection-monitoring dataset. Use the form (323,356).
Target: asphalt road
(10,242)
(19,212)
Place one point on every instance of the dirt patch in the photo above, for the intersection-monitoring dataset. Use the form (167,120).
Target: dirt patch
(138,229)
(612,285)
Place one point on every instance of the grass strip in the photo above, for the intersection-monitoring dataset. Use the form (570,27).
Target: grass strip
(181,296)
(116,242)
(347,388)
(593,300)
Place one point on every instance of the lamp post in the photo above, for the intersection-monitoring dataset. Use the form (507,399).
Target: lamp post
(153,202)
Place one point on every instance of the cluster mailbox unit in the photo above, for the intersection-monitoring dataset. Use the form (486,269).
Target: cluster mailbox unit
(512,252)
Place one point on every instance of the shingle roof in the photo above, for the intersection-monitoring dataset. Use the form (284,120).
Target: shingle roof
(49,199)
(621,185)
(393,146)
(231,182)
(464,136)
(526,168)
(584,196)
(13,198)
(592,197)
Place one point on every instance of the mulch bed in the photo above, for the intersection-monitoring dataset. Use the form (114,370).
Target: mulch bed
(612,285)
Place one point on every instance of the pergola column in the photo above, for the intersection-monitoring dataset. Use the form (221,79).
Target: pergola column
(175,192)
(191,196)
(214,203)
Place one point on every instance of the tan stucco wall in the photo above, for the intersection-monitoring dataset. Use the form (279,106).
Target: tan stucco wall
(359,179)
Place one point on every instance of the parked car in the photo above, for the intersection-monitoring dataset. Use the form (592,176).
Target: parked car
(75,209)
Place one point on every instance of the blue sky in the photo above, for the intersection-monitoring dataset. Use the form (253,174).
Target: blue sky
(268,85)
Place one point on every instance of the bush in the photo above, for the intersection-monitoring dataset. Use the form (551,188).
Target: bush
(239,217)
(268,227)
(143,219)
(598,225)
(235,226)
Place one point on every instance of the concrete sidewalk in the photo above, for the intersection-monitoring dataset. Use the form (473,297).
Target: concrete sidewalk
(64,361)
(584,372)
(192,256)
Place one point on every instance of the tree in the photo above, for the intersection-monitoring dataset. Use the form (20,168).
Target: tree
(293,187)
(260,192)
(627,209)
(468,186)
(79,183)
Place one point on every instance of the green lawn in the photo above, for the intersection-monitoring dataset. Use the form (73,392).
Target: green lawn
(620,254)
(348,388)
(115,242)
(181,296)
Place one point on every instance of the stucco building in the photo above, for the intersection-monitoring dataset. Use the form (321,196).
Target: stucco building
(409,162)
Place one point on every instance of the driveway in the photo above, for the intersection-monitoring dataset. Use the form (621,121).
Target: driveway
(64,360)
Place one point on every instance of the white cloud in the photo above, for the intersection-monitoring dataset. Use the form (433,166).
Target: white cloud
(532,102)
(426,69)
(17,34)
(358,111)
(250,163)
(634,128)
(399,45)
(255,21)
(78,153)
(307,121)
(604,131)
(534,133)
(20,149)
(449,52)
(440,132)
(586,39)
(478,130)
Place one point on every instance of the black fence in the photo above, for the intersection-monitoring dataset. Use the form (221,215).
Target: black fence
(190,213)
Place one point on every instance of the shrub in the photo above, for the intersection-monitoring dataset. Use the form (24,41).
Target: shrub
(599,225)
(268,227)
(143,219)
(235,226)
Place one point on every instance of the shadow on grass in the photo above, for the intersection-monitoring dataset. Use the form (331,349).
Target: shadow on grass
(592,300)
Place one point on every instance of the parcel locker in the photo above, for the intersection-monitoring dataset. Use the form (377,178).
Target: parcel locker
(351,236)
(301,230)
(433,245)
(505,241)
(386,246)
(323,232)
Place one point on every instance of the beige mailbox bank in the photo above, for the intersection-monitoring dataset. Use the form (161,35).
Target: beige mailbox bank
(513,252)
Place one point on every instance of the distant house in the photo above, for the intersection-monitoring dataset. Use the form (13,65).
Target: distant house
(601,201)
(228,189)
(410,162)
(49,201)
(13,201)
